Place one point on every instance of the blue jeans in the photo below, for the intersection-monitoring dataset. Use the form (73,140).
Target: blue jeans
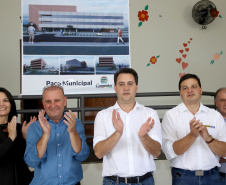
(148,181)
(186,177)
(223,176)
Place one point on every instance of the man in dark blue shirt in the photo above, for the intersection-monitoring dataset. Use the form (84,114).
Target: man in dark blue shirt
(56,144)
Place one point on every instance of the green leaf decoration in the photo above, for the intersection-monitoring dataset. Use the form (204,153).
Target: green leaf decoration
(212,62)
(221,52)
(158,56)
(140,24)
(148,64)
(211,6)
(220,16)
(146,7)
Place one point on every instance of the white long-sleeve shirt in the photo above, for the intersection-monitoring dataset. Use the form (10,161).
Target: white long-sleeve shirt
(175,126)
(129,157)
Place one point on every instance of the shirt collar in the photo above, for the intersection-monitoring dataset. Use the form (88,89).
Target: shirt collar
(223,117)
(137,106)
(182,108)
(51,121)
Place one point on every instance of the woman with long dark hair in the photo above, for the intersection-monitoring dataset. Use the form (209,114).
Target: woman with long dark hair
(13,170)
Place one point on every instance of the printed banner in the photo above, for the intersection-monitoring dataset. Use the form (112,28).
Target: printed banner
(76,44)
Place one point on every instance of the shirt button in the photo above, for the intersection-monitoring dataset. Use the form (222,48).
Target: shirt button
(57,134)
(59,165)
(59,154)
(58,144)
(60,176)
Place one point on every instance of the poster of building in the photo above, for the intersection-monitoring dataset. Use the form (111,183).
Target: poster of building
(73,43)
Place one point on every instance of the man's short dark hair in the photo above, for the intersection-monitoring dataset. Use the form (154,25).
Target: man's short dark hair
(188,76)
(218,90)
(127,71)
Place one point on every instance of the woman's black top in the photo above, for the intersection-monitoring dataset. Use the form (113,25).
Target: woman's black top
(13,169)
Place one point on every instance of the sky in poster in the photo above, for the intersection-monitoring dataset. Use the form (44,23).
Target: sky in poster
(100,6)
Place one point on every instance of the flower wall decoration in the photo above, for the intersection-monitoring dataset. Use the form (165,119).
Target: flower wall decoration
(216,57)
(143,16)
(214,12)
(153,60)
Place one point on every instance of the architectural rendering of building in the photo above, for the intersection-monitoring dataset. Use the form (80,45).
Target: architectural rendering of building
(38,64)
(106,62)
(57,17)
(34,12)
(76,64)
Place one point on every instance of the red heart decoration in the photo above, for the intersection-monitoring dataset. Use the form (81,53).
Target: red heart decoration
(181,51)
(184,65)
(184,55)
(178,60)
(190,38)
(185,44)
(188,42)
(181,74)
(187,49)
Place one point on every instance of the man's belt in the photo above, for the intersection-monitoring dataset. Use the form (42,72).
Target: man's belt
(136,179)
(199,172)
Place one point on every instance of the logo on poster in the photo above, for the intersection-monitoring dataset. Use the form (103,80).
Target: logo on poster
(104,81)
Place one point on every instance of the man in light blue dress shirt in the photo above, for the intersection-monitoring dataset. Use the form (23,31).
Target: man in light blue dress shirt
(56,144)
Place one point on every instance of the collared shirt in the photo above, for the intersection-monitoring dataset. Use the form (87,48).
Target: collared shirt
(128,157)
(175,126)
(223,165)
(60,165)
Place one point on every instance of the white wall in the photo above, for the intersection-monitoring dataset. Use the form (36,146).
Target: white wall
(10,33)
(170,24)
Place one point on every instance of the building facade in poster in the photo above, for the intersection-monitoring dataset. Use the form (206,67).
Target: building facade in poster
(55,17)
(38,64)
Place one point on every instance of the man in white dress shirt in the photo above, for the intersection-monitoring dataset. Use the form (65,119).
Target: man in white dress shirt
(220,102)
(193,137)
(127,135)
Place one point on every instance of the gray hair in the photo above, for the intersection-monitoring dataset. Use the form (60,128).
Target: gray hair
(52,87)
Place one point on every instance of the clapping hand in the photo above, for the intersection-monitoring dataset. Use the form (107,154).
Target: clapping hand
(146,127)
(25,126)
(195,126)
(44,123)
(70,121)
(12,128)
(117,122)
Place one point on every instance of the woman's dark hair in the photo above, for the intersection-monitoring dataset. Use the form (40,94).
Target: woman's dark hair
(13,111)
